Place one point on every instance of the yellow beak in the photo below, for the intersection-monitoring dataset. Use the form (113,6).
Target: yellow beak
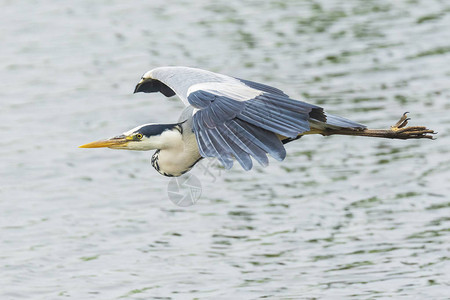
(117,142)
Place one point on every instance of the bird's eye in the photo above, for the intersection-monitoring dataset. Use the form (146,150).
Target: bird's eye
(139,136)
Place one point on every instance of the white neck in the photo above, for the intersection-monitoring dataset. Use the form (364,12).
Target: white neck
(176,157)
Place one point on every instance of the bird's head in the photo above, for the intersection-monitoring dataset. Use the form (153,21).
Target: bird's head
(143,138)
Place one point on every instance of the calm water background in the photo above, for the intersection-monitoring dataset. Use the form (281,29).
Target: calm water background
(340,218)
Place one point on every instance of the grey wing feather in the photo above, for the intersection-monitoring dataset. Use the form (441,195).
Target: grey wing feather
(279,114)
(263,87)
(266,140)
(227,128)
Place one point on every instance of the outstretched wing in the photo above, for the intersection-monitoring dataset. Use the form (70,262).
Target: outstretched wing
(262,87)
(238,121)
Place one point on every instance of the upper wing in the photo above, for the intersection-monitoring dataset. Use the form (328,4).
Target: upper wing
(262,87)
(238,121)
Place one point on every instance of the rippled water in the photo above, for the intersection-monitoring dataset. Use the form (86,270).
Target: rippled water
(340,218)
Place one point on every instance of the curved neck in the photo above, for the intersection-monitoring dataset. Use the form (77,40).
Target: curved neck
(173,162)
(180,156)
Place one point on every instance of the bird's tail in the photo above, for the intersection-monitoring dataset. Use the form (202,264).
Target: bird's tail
(334,122)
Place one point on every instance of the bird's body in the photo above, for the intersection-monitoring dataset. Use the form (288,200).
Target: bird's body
(230,118)
(182,155)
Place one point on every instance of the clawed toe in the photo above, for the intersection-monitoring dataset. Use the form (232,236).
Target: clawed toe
(411,129)
(412,132)
(402,122)
(421,134)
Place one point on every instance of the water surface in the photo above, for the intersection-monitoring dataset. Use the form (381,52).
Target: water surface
(341,217)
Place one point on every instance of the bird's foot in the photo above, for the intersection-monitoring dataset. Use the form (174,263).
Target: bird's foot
(400,131)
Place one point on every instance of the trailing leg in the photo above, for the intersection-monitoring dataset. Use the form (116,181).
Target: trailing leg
(397,131)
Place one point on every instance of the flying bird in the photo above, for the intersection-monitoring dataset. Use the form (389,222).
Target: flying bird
(233,119)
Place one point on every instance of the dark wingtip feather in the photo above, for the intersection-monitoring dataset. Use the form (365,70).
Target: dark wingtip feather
(318,114)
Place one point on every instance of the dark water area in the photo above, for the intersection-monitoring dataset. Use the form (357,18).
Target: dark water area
(340,218)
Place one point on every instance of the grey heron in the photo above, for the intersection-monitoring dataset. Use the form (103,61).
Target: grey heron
(233,119)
